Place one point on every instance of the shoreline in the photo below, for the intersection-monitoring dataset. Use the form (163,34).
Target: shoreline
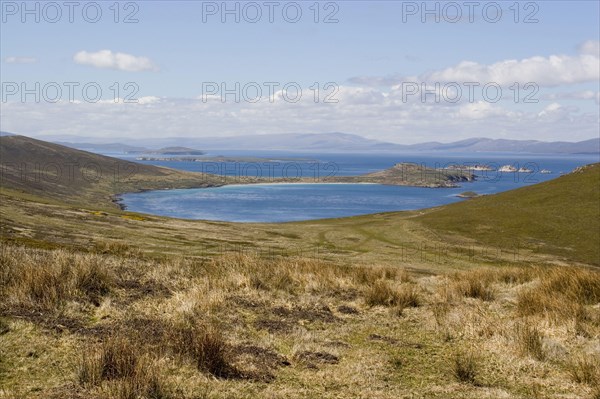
(401,174)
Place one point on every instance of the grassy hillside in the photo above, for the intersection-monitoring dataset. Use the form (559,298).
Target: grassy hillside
(59,173)
(560,217)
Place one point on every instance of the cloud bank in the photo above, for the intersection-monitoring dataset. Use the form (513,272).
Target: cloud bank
(551,71)
(106,59)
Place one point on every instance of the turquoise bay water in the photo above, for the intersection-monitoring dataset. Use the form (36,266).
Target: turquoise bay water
(294,202)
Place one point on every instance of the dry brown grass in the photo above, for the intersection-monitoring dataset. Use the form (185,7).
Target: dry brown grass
(585,369)
(465,367)
(475,284)
(560,292)
(121,370)
(380,293)
(46,280)
(530,340)
(204,344)
(246,326)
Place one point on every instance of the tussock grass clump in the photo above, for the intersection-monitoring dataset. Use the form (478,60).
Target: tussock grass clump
(585,369)
(47,279)
(210,351)
(370,275)
(93,279)
(122,370)
(204,344)
(291,275)
(380,293)
(116,358)
(530,341)
(474,285)
(482,283)
(406,296)
(366,275)
(465,367)
(561,292)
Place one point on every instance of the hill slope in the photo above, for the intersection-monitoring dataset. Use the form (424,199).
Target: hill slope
(561,217)
(61,173)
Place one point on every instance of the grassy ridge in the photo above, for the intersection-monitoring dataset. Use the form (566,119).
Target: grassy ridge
(560,217)
(60,173)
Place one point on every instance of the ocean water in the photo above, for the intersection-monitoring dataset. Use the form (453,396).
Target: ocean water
(294,202)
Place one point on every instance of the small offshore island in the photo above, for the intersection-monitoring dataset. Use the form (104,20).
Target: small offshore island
(409,174)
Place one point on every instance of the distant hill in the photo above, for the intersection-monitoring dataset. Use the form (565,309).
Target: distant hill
(560,216)
(175,151)
(335,142)
(103,148)
(501,145)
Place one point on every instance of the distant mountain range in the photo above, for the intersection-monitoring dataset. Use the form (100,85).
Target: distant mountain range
(323,142)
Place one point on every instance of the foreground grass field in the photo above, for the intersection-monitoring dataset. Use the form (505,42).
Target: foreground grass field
(495,297)
(79,325)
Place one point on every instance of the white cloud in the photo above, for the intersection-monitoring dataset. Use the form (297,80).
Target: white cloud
(148,100)
(20,60)
(362,112)
(551,71)
(106,59)
(551,109)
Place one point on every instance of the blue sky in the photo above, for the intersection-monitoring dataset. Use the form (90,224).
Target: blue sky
(371,54)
